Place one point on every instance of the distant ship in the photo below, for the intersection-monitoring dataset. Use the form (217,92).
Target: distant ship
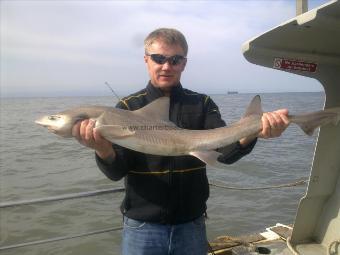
(232,92)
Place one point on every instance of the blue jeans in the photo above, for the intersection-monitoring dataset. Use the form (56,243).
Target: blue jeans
(142,238)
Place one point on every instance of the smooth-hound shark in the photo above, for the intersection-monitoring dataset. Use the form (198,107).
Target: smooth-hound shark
(149,130)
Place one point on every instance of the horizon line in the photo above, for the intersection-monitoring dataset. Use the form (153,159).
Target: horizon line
(123,95)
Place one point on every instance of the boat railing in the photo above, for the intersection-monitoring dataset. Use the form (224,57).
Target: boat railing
(62,197)
(108,191)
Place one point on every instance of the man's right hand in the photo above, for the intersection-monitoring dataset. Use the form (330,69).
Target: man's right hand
(86,135)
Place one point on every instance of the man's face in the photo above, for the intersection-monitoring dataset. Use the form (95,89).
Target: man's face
(164,76)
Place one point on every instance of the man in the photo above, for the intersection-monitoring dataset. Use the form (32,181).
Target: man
(165,198)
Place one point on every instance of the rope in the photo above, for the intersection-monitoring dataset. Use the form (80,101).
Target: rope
(114,190)
(62,197)
(56,239)
(290,246)
(293,184)
(210,249)
(336,245)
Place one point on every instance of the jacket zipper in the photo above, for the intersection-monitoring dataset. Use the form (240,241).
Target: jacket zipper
(171,166)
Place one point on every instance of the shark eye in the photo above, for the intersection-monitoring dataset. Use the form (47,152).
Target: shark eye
(53,117)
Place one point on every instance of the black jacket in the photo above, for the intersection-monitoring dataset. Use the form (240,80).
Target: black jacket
(162,189)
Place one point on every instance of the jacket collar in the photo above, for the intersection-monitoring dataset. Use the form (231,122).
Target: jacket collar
(154,92)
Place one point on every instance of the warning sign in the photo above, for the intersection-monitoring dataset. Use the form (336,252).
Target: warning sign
(294,65)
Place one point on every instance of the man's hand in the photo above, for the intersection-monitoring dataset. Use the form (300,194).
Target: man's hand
(86,135)
(274,123)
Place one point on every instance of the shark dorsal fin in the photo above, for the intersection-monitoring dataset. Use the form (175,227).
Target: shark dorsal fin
(254,107)
(157,109)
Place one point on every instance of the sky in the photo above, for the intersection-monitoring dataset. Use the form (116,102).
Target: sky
(71,48)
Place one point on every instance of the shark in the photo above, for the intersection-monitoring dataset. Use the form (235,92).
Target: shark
(149,130)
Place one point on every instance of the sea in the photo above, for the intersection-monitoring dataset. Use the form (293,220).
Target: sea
(37,164)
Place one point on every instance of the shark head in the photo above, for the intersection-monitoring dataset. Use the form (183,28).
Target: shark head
(61,123)
(58,124)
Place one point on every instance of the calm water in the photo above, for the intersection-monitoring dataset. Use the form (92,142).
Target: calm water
(35,164)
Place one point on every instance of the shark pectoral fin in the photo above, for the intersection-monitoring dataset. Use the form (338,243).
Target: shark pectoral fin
(210,158)
(114,131)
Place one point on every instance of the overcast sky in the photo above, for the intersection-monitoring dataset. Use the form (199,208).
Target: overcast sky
(71,48)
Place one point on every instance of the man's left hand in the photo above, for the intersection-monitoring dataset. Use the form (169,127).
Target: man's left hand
(274,123)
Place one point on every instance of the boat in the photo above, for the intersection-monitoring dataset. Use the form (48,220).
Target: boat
(232,92)
(307,45)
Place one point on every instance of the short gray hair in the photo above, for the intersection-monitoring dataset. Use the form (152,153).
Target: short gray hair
(169,36)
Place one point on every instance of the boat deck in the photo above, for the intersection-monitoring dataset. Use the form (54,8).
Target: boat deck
(272,241)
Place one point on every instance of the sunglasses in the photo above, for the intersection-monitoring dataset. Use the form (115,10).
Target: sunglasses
(161,59)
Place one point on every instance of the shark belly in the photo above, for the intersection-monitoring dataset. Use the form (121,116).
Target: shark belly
(163,143)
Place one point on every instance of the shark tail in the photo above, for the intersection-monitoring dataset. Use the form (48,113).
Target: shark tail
(311,121)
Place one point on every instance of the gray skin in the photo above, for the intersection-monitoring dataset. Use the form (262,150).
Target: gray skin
(149,130)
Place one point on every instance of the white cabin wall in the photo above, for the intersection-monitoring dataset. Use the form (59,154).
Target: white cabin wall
(318,216)
(313,37)
(328,227)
